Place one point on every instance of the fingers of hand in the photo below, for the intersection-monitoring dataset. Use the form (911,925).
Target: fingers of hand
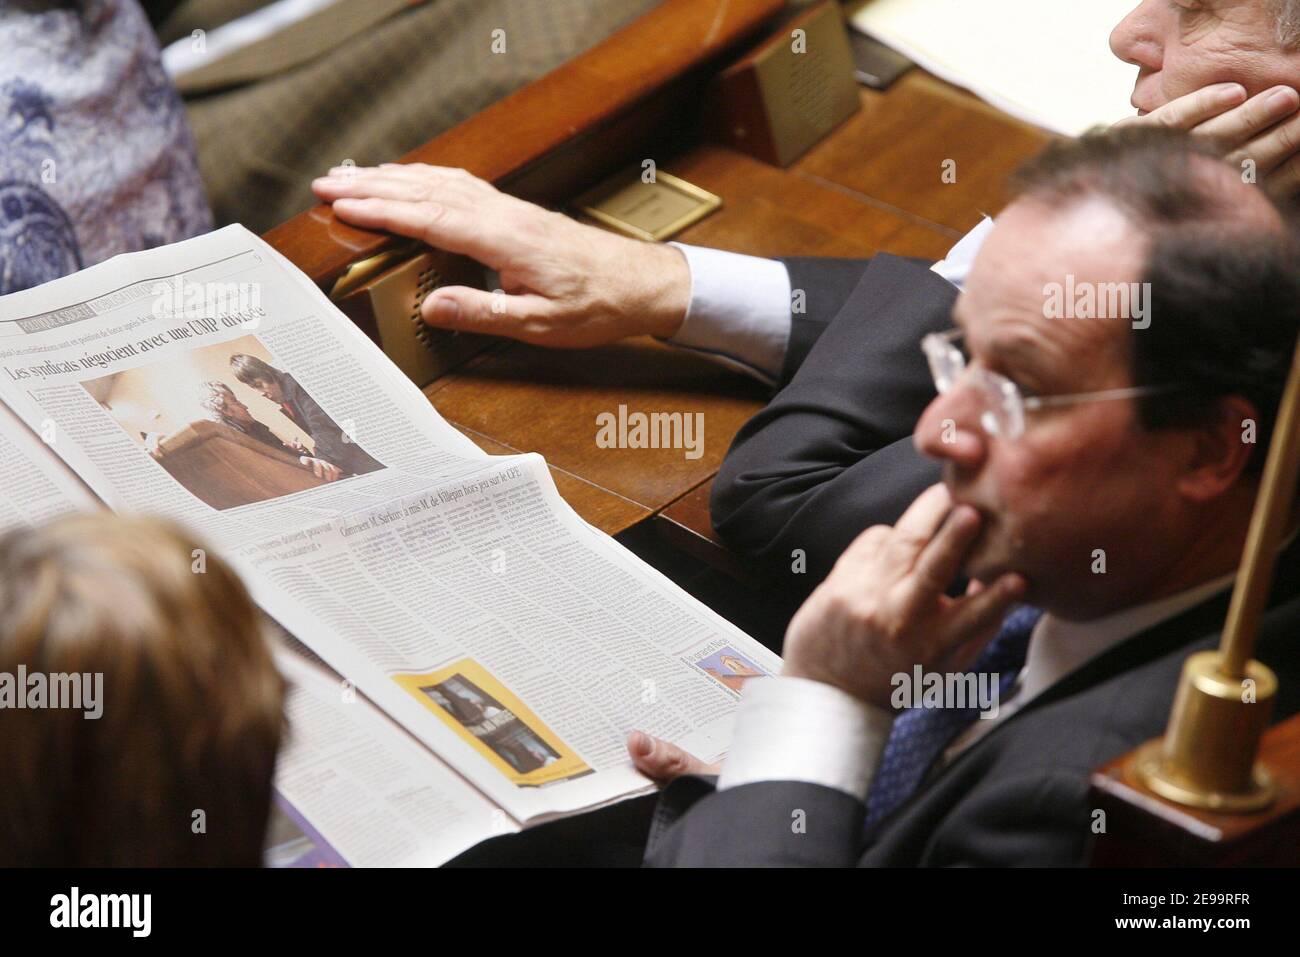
(377,184)
(924,516)
(661,760)
(1239,126)
(882,554)
(427,180)
(525,316)
(917,528)
(1270,150)
(420,220)
(940,559)
(449,209)
(1186,112)
(982,612)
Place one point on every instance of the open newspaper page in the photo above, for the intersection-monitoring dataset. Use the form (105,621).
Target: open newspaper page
(354,788)
(518,643)
(134,372)
(37,487)
(457,590)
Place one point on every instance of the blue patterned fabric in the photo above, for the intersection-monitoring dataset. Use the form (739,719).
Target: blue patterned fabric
(919,735)
(96,156)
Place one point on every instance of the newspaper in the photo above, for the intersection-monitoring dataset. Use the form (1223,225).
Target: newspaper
(34,491)
(455,590)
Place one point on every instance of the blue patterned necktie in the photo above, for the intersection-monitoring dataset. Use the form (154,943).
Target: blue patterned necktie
(919,735)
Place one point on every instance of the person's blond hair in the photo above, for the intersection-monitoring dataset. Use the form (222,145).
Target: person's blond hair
(178,768)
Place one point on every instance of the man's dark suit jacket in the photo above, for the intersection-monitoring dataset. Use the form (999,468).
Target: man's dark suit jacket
(330,442)
(832,453)
(1017,796)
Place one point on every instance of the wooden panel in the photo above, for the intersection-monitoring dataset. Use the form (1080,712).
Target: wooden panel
(894,148)
(1145,830)
(597,506)
(545,401)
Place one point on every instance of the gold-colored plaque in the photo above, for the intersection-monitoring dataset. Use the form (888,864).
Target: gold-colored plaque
(645,206)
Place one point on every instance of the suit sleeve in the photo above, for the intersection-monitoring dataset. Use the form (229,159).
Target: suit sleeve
(766,824)
(825,285)
(832,453)
(324,431)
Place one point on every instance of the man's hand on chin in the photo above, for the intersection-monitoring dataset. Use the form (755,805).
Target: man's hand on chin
(883,608)
(1263,129)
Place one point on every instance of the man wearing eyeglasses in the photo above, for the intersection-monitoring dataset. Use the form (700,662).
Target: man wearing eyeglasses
(1098,473)
(1098,477)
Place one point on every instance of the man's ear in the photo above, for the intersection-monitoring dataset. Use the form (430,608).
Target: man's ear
(1221,448)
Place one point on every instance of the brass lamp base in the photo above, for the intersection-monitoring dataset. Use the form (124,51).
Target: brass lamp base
(1207,757)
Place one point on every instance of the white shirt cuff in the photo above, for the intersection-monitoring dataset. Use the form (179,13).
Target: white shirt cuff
(793,729)
(956,265)
(739,312)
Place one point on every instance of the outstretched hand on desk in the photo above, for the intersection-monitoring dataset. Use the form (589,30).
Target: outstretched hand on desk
(564,284)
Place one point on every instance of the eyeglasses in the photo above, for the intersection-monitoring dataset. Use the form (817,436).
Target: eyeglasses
(1004,405)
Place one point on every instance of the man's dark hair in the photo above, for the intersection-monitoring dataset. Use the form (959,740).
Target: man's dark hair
(251,369)
(1224,274)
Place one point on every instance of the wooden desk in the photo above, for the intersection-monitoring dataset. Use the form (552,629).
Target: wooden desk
(875,183)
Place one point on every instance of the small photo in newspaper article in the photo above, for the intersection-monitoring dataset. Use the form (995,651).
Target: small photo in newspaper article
(231,424)
(728,667)
(496,723)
